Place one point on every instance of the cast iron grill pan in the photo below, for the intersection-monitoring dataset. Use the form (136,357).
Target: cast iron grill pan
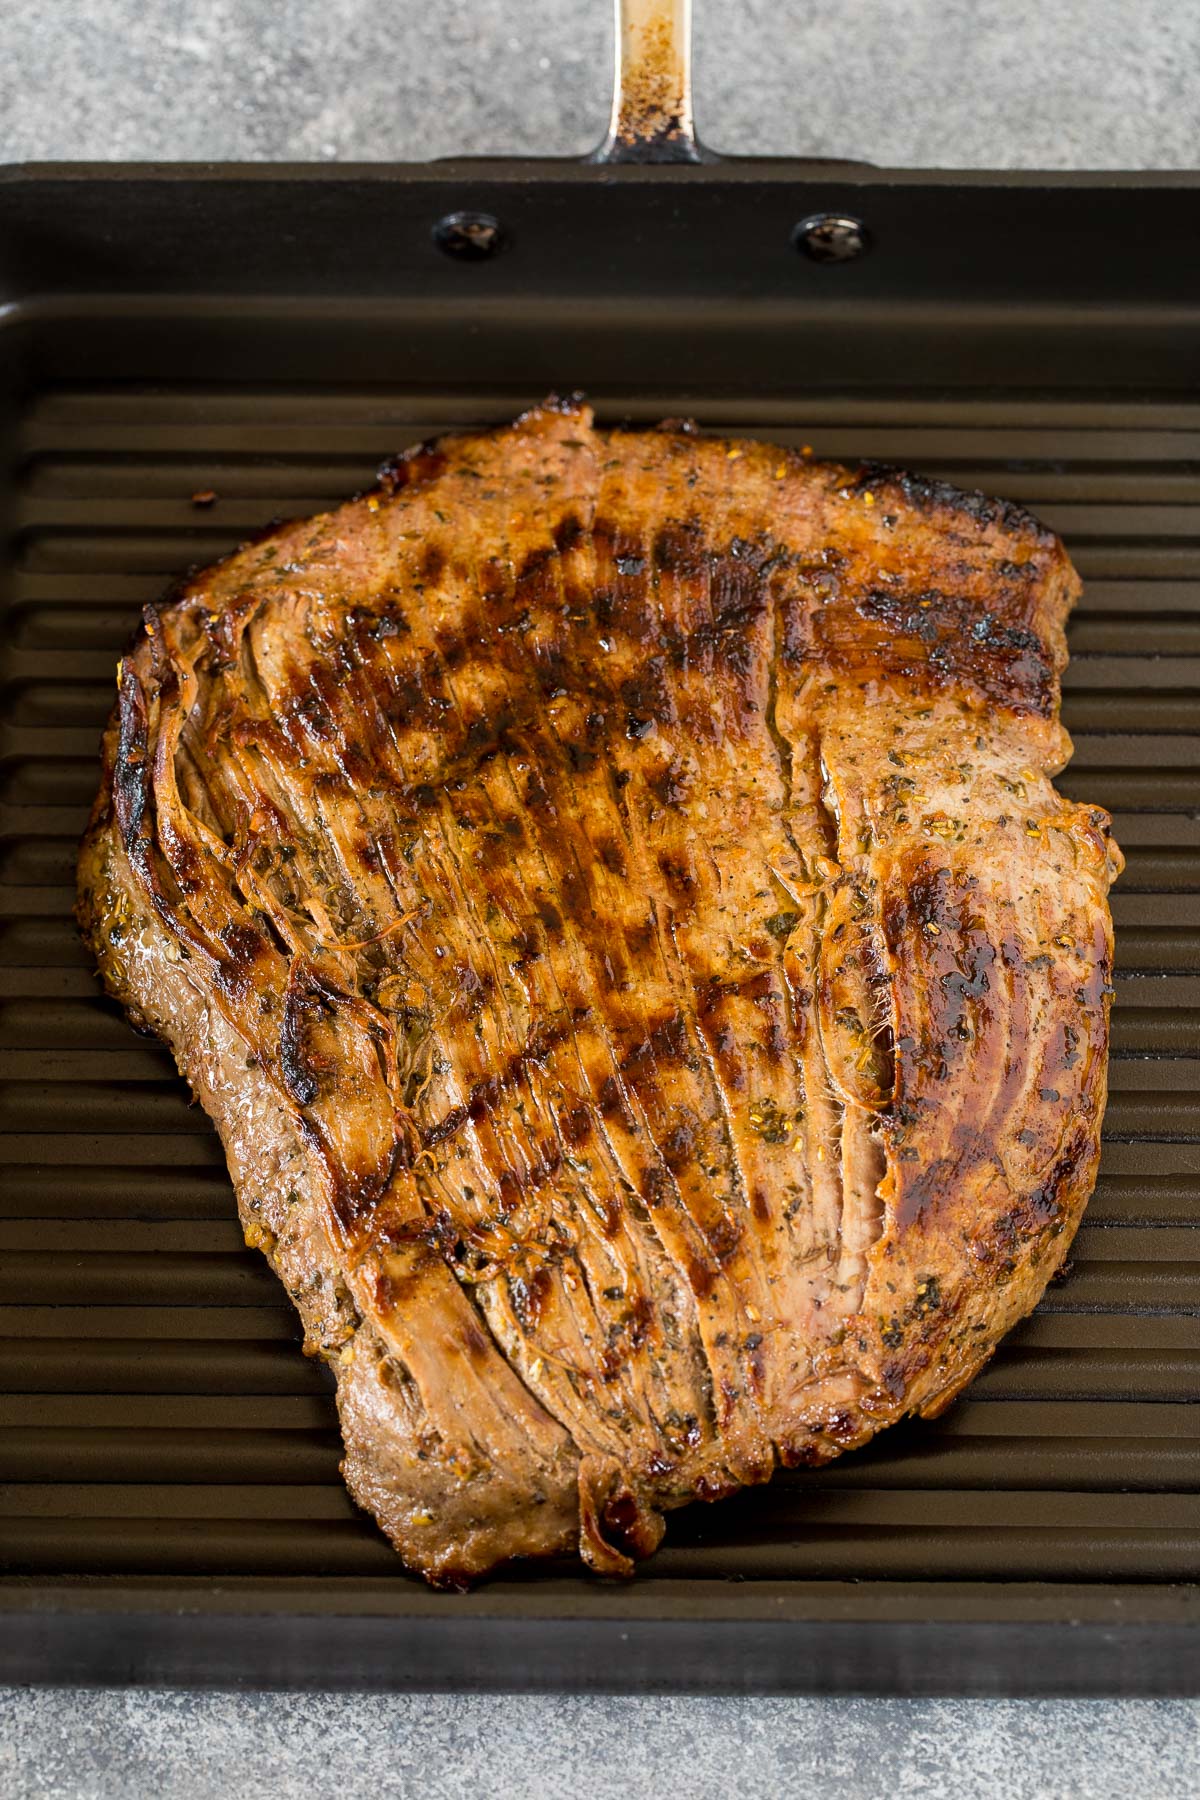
(170,1505)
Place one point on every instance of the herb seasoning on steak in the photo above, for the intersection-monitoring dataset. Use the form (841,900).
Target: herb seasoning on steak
(608,891)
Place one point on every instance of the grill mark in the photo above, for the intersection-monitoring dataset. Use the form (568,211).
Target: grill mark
(688,1264)
(290,792)
(565,1405)
(932,901)
(643,1063)
(487,1092)
(483,1095)
(448,875)
(728,1228)
(644,699)
(569,937)
(737,602)
(354,1190)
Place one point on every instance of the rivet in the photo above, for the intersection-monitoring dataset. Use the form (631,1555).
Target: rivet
(470,236)
(831,237)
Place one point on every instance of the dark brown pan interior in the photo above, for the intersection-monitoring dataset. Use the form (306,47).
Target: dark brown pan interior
(162,1435)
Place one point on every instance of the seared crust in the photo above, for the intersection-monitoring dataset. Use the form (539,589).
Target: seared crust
(608,890)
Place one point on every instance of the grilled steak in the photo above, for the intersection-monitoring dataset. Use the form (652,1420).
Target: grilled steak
(608,891)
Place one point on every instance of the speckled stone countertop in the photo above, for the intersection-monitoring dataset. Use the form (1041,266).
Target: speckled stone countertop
(952,83)
(56,1745)
(936,83)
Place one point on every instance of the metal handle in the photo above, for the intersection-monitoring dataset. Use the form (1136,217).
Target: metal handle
(652,86)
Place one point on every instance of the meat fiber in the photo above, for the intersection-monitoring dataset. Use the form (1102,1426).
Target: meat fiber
(608,891)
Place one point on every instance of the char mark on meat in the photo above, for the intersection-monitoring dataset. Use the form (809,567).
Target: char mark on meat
(609,892)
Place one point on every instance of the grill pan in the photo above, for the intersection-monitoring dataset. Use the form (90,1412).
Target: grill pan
(170,1506)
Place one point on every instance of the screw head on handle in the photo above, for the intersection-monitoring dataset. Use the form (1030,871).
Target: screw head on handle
(469,236)
(831,237)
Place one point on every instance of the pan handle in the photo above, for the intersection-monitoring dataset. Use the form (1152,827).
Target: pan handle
(652,86)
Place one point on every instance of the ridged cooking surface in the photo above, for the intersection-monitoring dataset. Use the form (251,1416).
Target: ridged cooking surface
(156,1415)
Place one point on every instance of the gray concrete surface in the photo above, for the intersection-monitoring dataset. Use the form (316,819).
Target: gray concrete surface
(957,83)
(1099,83)
(101,1746)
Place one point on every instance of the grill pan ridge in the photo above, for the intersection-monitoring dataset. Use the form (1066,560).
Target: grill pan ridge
(170,1504)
